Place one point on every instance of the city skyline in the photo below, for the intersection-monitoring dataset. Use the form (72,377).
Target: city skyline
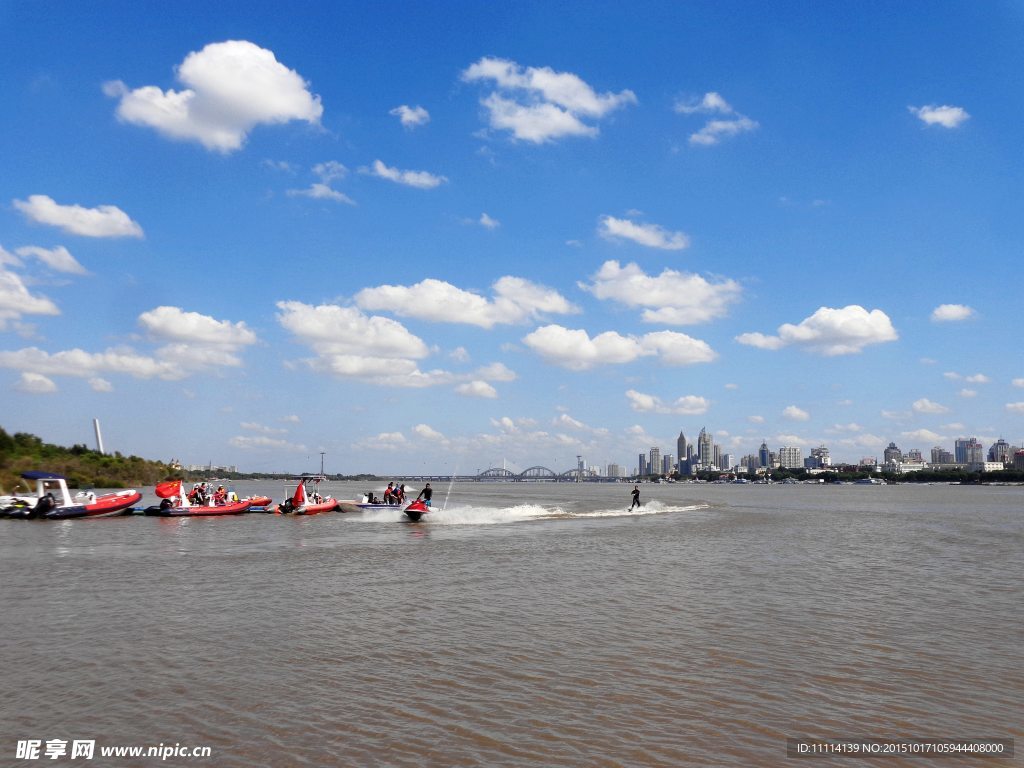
(444,237)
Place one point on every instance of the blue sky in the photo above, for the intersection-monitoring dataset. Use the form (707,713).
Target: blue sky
(437,237)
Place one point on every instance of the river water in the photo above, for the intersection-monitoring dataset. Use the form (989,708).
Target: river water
(523,625)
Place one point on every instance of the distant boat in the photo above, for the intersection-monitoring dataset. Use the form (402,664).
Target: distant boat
(176,504)
(304,502)
(53,501)
(869,481)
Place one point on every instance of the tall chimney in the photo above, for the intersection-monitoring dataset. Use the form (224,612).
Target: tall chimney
(99,437)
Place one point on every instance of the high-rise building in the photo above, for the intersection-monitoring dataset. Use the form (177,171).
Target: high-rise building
(727,462)
(914,454)
(655,461)
(681,447)
(764,456)
(941,456)
(821,457)
(967,450)
(705,449)
(791,457)
(614,470)
(642,466)
(668,464)
(892,454)
(1000,451)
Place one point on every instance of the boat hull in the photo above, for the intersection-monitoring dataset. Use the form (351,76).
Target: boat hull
(107,505)
(356,506)
(308,509)
(236,508)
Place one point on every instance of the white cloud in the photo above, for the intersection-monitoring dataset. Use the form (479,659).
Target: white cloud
(1018,382)
(687,405)
(176,325)
(411,116)
(328,171)
(59,258)
(649,235)
(321,191)
(35,384)
(506,425)
(575,350)
(711,103)
(851,427)
(350,344)
(488,223)
(924,405)
(793,413)
(337,330)
(756,419)
(978,378)
(263,429)
(715,130)
(428,433)
(103,221)
(477,388)
(496,372)
(537,104)
(1015,407)
(923,436)
(951,313)
(417,179)
(16,300)
(261,442)
(515,301)
(675,298)
(100,385)
(830,332)
(82,364)
(968,393)
(231,87)
(946,116)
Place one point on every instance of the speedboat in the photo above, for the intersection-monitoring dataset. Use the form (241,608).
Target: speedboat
(414,510)
(304,502)
(53,501)
(176,504)
(369,503)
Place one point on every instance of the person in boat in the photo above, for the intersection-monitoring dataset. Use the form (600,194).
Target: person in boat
(389,494)
(220,496)
(195,495)
(636,497)
(400,494)
(425,494)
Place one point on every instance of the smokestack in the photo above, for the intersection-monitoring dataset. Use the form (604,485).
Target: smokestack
(99,437)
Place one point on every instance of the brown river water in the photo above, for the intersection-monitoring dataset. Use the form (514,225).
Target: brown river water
(523,625)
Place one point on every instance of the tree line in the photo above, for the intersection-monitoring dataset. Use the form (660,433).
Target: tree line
(82,466)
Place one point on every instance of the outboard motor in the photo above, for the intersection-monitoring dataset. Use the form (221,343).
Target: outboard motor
(44,505)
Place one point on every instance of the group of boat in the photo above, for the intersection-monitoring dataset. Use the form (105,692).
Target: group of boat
(51,500)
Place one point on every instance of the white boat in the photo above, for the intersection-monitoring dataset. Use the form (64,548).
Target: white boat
(52,500)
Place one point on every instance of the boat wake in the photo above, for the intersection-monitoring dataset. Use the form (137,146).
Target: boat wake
(458,514)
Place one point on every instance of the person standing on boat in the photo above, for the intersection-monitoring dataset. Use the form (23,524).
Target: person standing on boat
(388,494)
(425,494)
(636,497)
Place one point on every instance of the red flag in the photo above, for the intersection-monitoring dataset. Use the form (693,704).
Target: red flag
(299,499)
(168,488)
